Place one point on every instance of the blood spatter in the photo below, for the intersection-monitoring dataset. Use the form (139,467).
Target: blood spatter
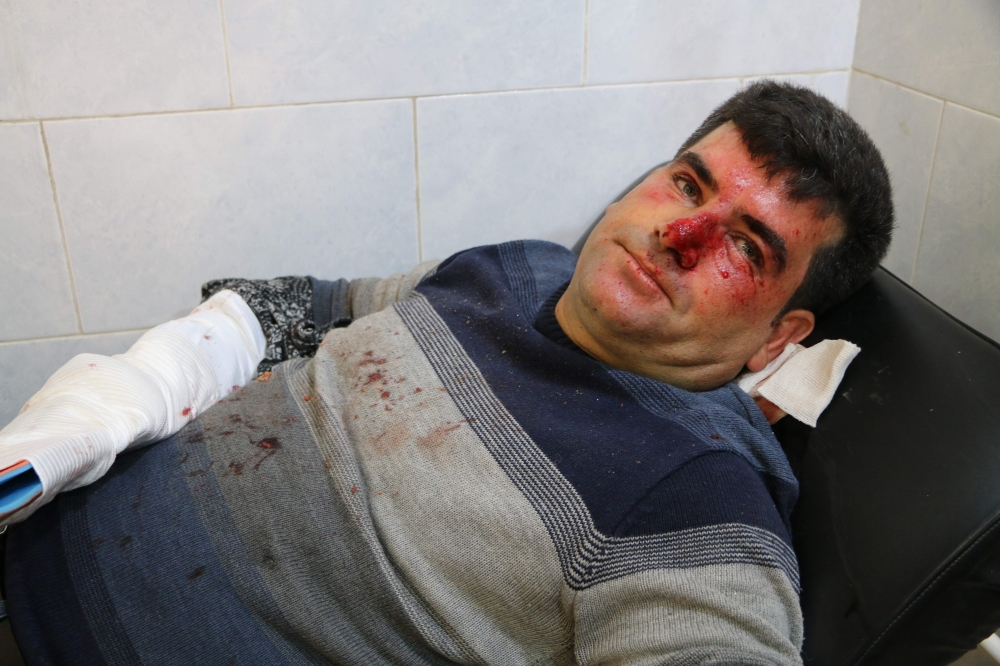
(435,438)
(373,377)
(186,411)
(269,443)
(385,395)
(194,438)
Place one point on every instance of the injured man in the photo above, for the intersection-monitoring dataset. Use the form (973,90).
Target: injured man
(513,456)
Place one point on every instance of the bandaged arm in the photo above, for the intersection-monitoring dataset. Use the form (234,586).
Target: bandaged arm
(94,407)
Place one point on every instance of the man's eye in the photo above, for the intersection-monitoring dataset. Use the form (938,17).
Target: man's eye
(689,190)
(749,250)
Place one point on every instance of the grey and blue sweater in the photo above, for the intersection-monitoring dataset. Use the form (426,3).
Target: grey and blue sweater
(447,480)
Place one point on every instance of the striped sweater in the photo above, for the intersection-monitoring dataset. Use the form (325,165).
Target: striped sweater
(448,480)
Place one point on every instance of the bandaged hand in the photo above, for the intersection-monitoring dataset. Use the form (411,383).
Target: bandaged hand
(94,407)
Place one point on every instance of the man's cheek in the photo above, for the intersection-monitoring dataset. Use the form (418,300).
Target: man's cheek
(731,285)
(609,295)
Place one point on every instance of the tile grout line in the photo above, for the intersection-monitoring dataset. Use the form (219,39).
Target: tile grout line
(927,196)
(570,86)
(62,229)
(7,343)
(416,173)
(991,114)
(225,48)
(586,41)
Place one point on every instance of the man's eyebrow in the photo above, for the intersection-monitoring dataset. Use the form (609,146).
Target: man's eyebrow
(770,238)
(697,165)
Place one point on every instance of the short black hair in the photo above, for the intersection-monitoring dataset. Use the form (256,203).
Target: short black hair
(823,156)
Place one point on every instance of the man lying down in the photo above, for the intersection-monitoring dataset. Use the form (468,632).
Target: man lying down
(510,457)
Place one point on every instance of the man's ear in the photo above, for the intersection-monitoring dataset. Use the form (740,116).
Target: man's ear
(794,326)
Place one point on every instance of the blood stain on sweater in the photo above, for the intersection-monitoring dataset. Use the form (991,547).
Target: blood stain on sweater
(391,440)
(435,438)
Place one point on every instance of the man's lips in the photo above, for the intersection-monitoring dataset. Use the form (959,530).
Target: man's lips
(645,274)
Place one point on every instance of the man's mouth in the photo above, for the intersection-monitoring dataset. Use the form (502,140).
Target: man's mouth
(646,274)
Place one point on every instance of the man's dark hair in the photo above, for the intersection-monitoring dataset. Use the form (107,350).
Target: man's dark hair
(823,156)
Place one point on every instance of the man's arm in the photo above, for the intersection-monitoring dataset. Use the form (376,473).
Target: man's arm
(94,407)
(296,312)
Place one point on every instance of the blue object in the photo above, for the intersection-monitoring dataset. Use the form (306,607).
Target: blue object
(17,487)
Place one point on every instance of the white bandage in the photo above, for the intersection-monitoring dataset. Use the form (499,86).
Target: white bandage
(95,407)
(802,380)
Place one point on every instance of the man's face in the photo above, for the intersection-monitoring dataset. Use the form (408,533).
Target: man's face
(690,268)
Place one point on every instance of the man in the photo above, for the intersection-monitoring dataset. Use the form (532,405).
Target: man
(524,458)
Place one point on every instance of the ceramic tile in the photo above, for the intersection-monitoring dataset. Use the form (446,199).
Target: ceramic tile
(904,125)
(318,50)
(957,264)
(656,40)
(34,280)
(832,85)
(63,59)
(544,164)
(24,366)
(154,206)
(948,49)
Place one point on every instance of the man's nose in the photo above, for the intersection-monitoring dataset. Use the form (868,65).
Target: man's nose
(689,238)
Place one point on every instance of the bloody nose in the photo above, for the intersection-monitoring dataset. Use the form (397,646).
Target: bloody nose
(689,238)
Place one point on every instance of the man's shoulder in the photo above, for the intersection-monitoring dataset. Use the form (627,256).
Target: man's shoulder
(537,256)
(526,270)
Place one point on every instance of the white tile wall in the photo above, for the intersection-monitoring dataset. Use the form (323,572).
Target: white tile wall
(24,366)
(913,59)
(904,125)
(314,50)
(656,40)
(948,49)
(101,57)
(957,264)
(156,205)
(34,280)
(544,164)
